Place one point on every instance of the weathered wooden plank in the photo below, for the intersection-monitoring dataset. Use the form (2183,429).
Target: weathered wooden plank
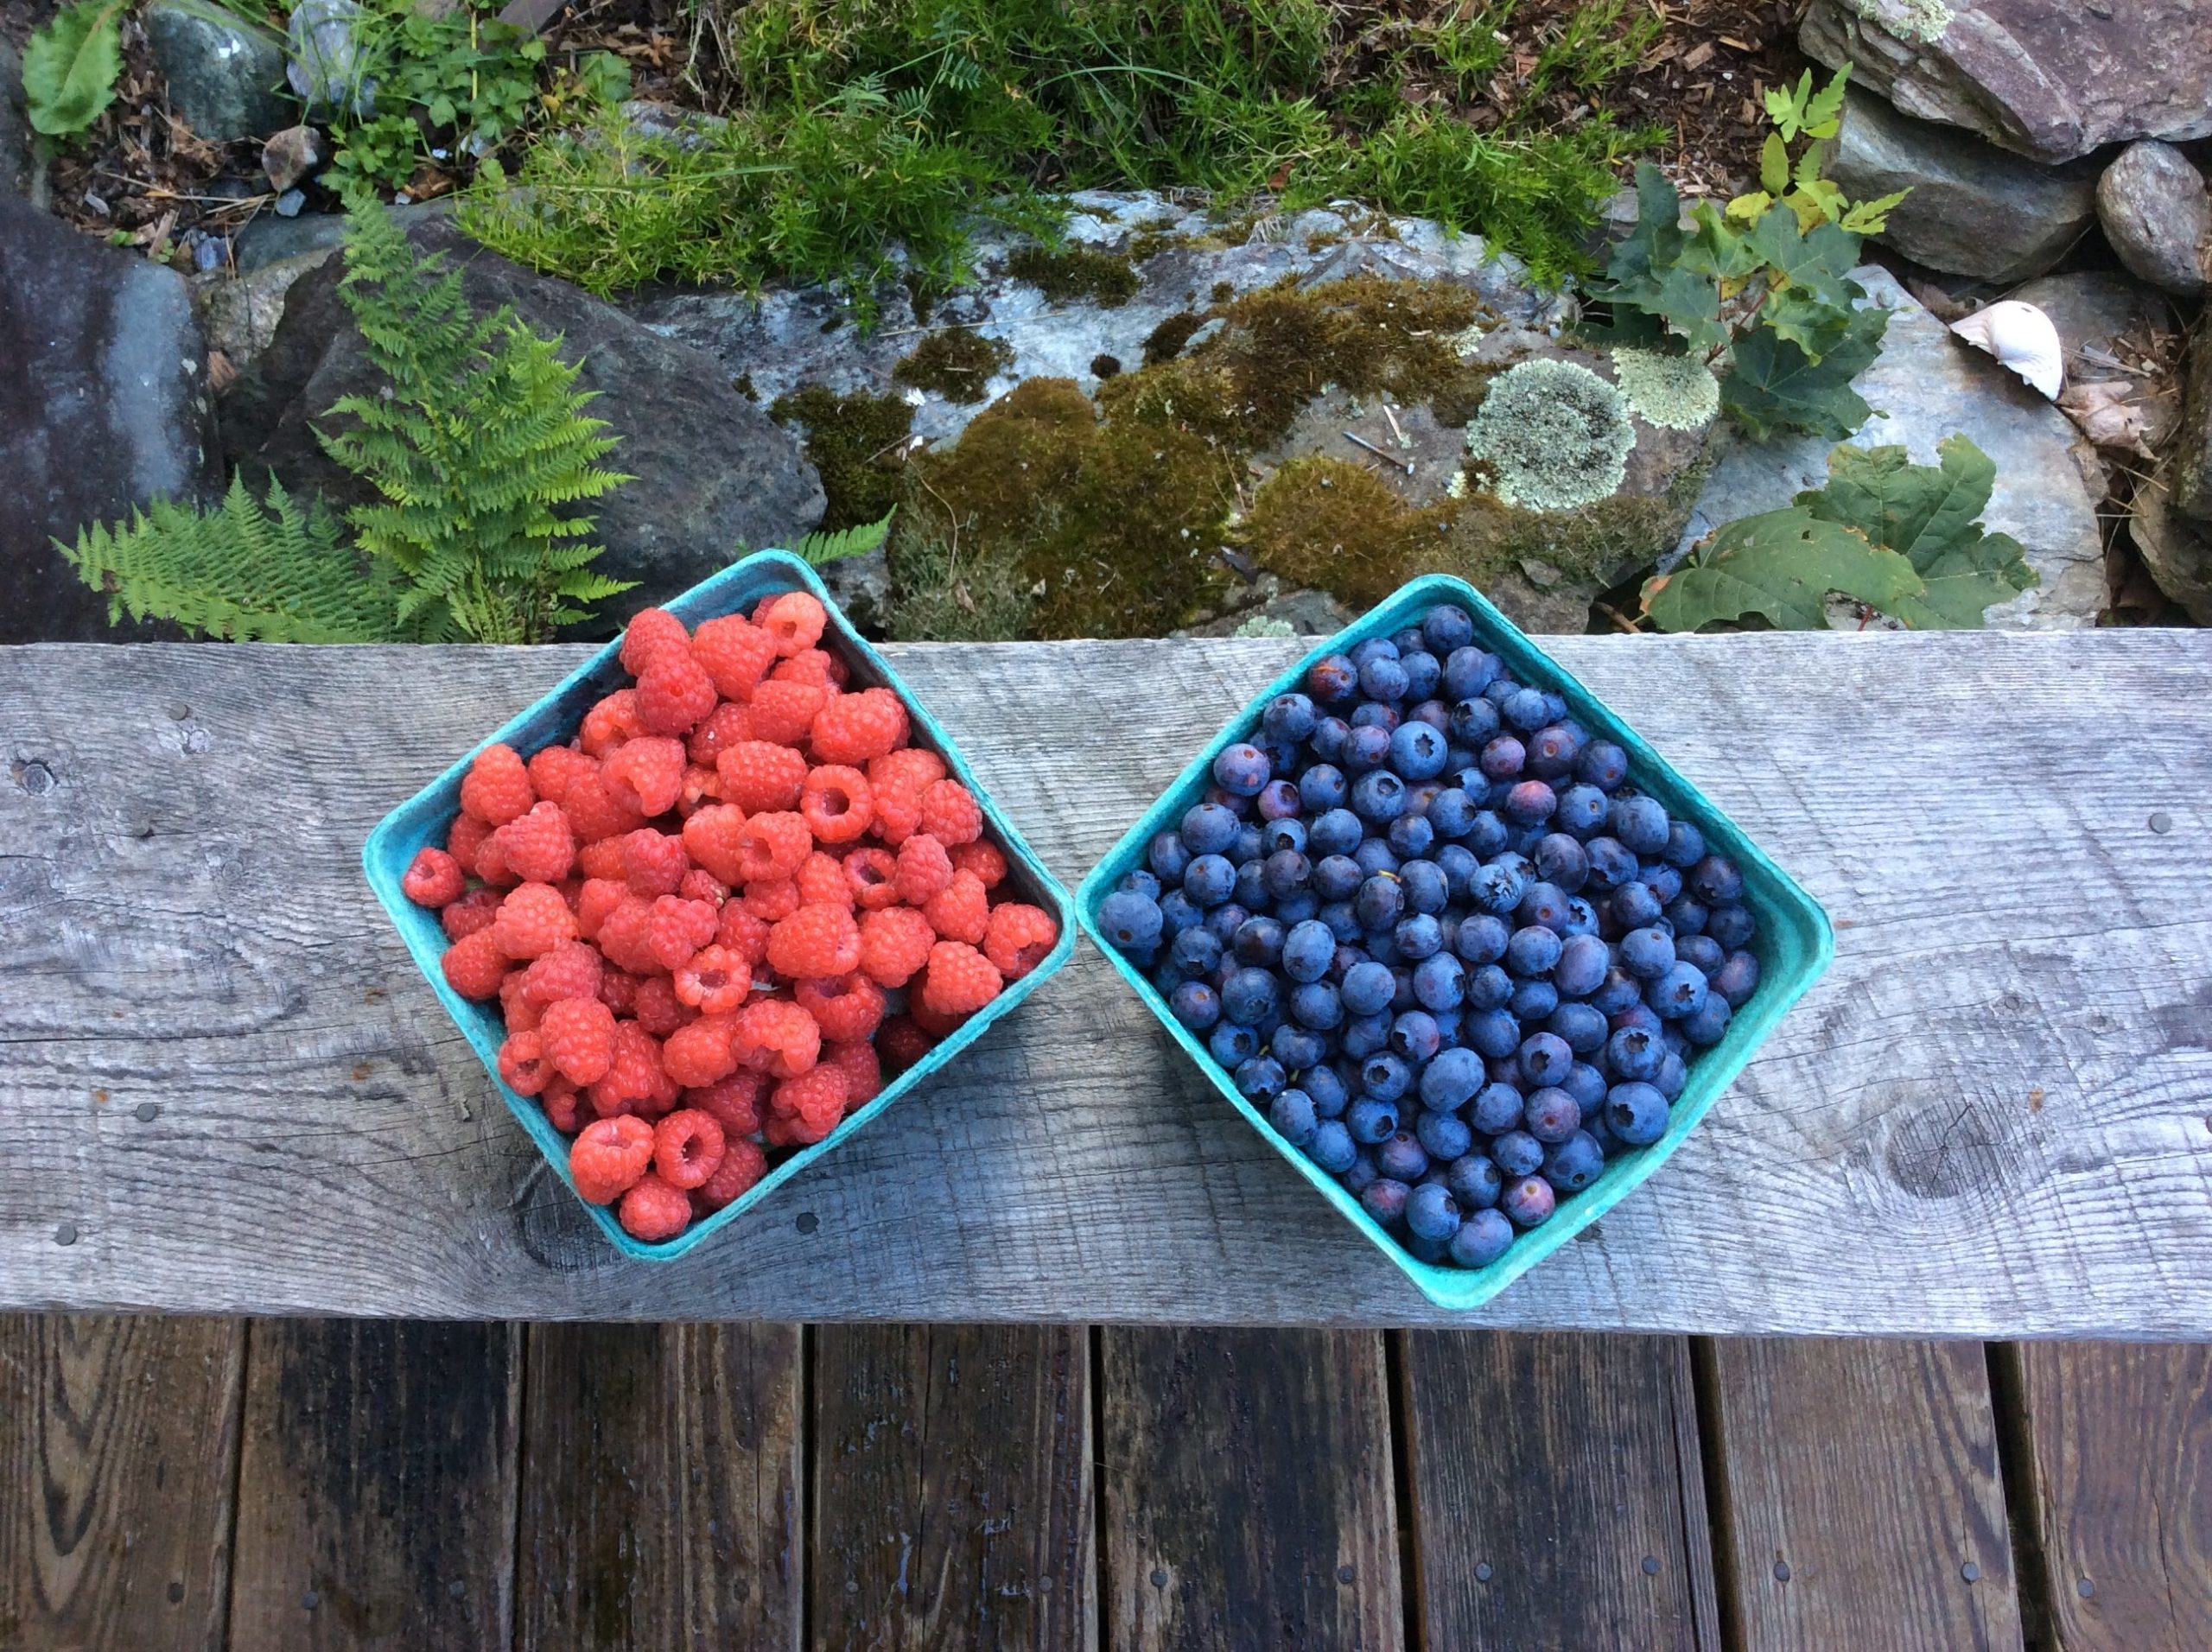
(376,1487)
(2119,1438)
(661,1475)
(1249,1497)
(119,1450)
(1999,1092)
(1557,1498)
(952,1490)
(1862,1501)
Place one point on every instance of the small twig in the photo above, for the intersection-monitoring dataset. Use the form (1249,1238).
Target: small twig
(1390,459)
(1619,620)
(1395,430)
(952,554)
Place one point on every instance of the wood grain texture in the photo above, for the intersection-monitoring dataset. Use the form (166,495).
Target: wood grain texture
(1557,1498)
(2121,1441)
(119,1450)
(1249,1500)
(376,1487)
(1999,1093)
(1862,1484)
(661,1502)
(953,1501)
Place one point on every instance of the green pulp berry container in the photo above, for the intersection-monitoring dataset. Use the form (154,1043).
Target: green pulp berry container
(424,819)
(1793,946)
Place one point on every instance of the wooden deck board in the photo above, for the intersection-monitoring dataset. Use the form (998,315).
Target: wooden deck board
(1999,1093)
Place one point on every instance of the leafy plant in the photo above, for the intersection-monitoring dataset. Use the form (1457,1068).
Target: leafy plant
(1799,186)
(71,66)
(463,83)
(820,549)
(1904,539)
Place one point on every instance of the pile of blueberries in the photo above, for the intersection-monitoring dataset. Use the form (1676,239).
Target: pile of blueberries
(1432,927)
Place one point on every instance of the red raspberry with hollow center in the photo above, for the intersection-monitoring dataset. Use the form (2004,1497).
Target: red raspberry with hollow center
(743,1167)
(815,941)
(646,774)
(845,1008)
(982,859)
(521,1063)
(687,1147)
(925,868)
(895,943)
(465,839)
(658,1010)
(735,1102)
(795,621)
(1018,938)
(434,879)
(497,787)
(951,813)
(726,725)
(822,880)
(577,1035)
(710,838)
(784,711)
(607,1157)
(772,899)
(650,630)
(908,772)
(961,911)
(599,897)
(863,1072)
(758,774)
(569,970)
(900,1042)
(533,919)
(593,812)
(675,694)
(610,723)
(678,928)
(654,1212)
(715,981)
(635,1082)
(653,863)
(857,727)
(742,932)
(560,1101)
(472,913)
(959,981)
(736,653)
(538,846)
(555,769)
(871,874)
(775,1036)
(700,1053)
(773,845)
(835,804)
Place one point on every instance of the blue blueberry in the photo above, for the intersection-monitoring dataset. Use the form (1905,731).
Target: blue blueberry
(1196,1005)
(1716,882)
(1375,854)
(1285,873)
(1498,887)
(1452,813)
(1702,951)
(1432,1213)
(1372,1120)
(1674,1076)
(1582,1029)
(1530,1202)
(1664,882)
(1242,769)
(1331,1146)
(1440,982)
(1378,796)
(1647,954)
(1502,758)
(1321,788)
(1258,942)
(1533,950)
(1687,914)
(1489,987)
(1415,1035)
(1445,1137)
(1533,1001)
(1731,927)
(1497,1108)
(1292,1114)
(1362,1036)
(1178,913)
(1587,1085)
(1362,1174)
(1209,880)
(1583,961)
(1326,1089)
(1288,719)
(1383,678)
(1634,1052)
(1582,809)
(1130,921)
(1602,765)
(1469,671)
(1451,1079)
(1475,1181)
(1611,866)
(1427,889)
(1197,950)
(1446,628)
(1492,1033)
(1481,938)
(1261,1078)
(1250,891)
(1384,1199)
(1209,828)
(1573,1164)
(1316,1004)
(1517,1153)
(1553,749)
(1529,802)
(1249,997)
(1637,1113)
(1551,1115)
(1525,711)
(1474,723)
(1279,800)
(1297,1046)
(1328,742)
(1483,1238)
(1417,751)
(1410,835)
(1418,935)
(1232,1045)
(1332,679)
(1634,906)
(1562,860)
(1343,922)
(1678,993)
(1384,1075)
(1336,877)
(1402,1159)
(1545,1057)
(1706,1024)
(1308,950)
(1737,979)
(1544,904)
(1640,824)
(1379,901)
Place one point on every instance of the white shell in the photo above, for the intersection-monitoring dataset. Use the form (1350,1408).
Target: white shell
(2022,338)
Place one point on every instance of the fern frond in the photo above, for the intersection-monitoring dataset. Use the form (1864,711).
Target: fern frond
(818,549)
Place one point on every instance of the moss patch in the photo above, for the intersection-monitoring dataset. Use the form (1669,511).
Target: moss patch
(957,364)
(1165,341)
(852,442)
(1077,272)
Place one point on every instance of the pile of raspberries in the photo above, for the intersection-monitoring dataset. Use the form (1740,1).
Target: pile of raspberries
(715,918)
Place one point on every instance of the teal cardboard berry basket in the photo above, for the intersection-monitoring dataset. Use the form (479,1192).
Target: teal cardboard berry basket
(424,819)
(1793,946)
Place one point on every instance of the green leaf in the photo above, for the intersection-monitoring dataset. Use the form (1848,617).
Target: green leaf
(1774,164)
(1873,216)
(1816,201)
(1774,385)
(1656,241)
(70,67)
(1717,251)
(819,549)
(1747,208)
(1823,113)
(1786,108)
(1780,565)
(1821,262)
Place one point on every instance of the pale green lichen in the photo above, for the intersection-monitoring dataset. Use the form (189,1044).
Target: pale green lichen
(1457,488)
(1918,20)
(1674,392)
(1554,433)
(1466,341)
(1260,626)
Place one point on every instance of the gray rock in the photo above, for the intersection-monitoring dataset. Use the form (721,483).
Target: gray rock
(326,69)
(290,156)
(1975,209)
(713,472)
(2093,310)
(269,239)
(1308,614)
(861,587)
(2176,552)
(2049,78)
(239,314)
(2188,467)
(226,75)
(2157,216)
(104,405)
(17,168)
(1924,387)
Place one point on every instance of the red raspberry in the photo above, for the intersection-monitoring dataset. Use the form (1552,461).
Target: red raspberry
(813,1103)
(734,1102)
(701,1053)
(960,980)
(553,770)
(569,970)
(772,900)
(675,694)
(594,813)
(635,1081)
(982,859)
(854,727)
(845,1008)
(743,1167)
(783,711)
(742,932)
(687,1147)
(608,858)
(758,774)
(835,802)
(491,864)
(924,869)
(653,1210)
(533,919)
(715,981)
(651,632)
(465,840)
(679,928)
(963,911)
(559,1099)
(820,880)
(910,771)
(520,1015)
(900,1043)
(618,989)
(600,897)
(609,723)
(701,786)
(658,1010)
(646,774)
(895,943)
(773,845)
(775,1036)
(625,936)
(1018,937)
(653,863)
(727,724)
(473,912)
(795,621)
(433,880)
(863,1072)
(736,653)
(497,788)
(521,1063)
(936,1023)
(578,1037)
(951,813)
(699,885)
(871,875)
(607,1157)
(538,846)
(898,815)
(710,839)
(815,941)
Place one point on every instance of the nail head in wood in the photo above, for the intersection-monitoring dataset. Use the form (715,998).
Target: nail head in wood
(1160,1577)
(1482,1572)
(35,778)
(1650,1565)
(2084,1588)
(147,1112)
(1345,1574)
(1782,1570)
(2162,821)
(179,711)
(808,1222)
(1970,1572)
(310,1600)
(64,1233)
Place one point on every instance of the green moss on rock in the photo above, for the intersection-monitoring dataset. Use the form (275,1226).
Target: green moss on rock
(1076,272)
(957,364)
(852,442)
